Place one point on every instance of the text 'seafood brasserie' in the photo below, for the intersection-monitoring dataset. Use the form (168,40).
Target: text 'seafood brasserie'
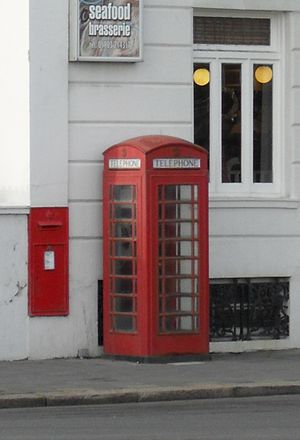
(101,13)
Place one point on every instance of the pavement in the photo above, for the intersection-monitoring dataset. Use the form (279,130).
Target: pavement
(36,383)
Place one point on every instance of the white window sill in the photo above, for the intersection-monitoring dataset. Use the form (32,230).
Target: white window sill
(14,210)
(244,202)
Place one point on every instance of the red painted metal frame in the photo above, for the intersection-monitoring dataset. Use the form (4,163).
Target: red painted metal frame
(147,341)
(123,304)
(184,342)
(176,247)
(116,341)
(48,230)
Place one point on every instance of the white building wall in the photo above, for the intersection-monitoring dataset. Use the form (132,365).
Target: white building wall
(49,103)
(14,105)
(80,109)
(111,102)
(262,238)
(14,179)
(13,284)
(50,337)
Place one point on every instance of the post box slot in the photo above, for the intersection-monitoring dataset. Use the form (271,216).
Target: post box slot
(47,224)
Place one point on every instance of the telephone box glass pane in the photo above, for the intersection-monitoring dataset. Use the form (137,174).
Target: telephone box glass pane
(178,193)
(123,285)
(179,211)
(123,193)
(123,212)
(187,285)
(124,323)
(177,249)
(178,258)
(175,304)
(123,267)
(175,324)
(186,323)
(123,249)
(178,230)
(122,230)
(123,304)
(171,193)
(179,267)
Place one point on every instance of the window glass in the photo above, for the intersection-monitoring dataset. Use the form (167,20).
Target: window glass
(236,76)
(262,123)
(231,123)
(201,105)
(232,30)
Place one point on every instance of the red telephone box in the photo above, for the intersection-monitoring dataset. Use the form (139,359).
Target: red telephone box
(155,249)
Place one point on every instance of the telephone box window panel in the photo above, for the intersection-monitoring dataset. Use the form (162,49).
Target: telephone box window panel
(123,258)
(232,30)
(178,287)
(106,30)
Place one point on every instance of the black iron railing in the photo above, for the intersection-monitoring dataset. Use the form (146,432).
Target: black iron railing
(245,309)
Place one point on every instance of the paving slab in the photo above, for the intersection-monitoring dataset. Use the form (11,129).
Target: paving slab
(95,381)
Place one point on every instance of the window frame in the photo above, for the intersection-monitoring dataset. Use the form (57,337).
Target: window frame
(276,31)
(247,56)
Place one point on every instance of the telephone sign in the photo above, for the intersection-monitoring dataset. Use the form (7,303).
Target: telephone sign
(124,164)
(176,163)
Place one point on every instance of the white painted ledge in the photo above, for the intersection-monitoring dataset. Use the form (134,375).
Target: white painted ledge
(14,210)
(264,203)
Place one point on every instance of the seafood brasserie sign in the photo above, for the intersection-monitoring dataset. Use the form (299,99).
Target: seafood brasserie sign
(108,30)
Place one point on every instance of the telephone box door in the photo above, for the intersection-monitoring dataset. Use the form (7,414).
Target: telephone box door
(123,320)
(180,267)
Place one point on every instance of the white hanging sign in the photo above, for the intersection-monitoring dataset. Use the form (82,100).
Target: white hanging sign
(106,30)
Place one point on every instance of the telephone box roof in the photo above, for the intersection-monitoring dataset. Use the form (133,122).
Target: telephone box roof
(146,144)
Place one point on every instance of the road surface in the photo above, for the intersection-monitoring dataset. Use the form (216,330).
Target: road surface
(264,418)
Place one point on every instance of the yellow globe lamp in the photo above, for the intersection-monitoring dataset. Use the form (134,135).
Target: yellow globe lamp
(263,74)
(201,77)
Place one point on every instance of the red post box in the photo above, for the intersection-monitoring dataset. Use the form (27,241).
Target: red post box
(48,261)
(155,249)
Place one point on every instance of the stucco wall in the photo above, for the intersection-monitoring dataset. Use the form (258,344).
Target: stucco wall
(108,103)
(111,102)
(262,238)
(13,287)
(14,105)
